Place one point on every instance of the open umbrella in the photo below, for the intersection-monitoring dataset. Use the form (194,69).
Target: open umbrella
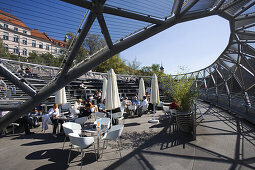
(104,89)
(154,98)
(141,89)
(112,93)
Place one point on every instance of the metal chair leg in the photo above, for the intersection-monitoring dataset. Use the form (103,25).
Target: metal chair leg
(64,143)
(69,155)
(95,151)
(119,146)
(81,158)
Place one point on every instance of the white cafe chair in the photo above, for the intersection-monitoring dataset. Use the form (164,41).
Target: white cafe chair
(80,143)
(113,134)
(71,127)
(118,116)
(81,120)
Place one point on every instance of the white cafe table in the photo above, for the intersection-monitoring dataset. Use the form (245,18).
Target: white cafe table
(94,132)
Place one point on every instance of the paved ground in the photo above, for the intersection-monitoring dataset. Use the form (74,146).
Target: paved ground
(222,142)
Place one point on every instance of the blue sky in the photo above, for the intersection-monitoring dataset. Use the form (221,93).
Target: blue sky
(195,44)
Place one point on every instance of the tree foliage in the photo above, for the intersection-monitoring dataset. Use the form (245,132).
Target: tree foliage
(115,63)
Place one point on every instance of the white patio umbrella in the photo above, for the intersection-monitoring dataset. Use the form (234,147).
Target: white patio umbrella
(141,89)
(154,98)
(112,93)
(104,89)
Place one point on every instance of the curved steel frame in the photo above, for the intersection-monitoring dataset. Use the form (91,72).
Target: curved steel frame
(181,12)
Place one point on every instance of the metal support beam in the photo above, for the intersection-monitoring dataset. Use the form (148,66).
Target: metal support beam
(117,12)
(126,14)
(217,5)
(103,26)
(4,72)
(231,5)
(188,7)
(85,29)
(177,7)
(7,108)
(244,9)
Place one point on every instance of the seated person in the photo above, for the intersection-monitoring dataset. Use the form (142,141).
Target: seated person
(143,106)
(174,105)
(77,106)
(135,101)
(102,106)
(27,122)
(85,111)
(53,113)
(88,102)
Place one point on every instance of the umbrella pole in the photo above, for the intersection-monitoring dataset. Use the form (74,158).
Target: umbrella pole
(154,111)
(154,118)
(111,117)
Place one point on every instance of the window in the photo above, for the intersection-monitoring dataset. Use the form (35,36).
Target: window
(40,45)
(6,36)
(25,32)
(15,38)
(6,47)
(5,26)
(16,50)
(15,29)
(33,43)
(24,51)
(47,47)
(55,51)
(24,41)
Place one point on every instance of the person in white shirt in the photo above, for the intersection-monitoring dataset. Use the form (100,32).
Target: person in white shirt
(143,106)
(53,113)
(76,108)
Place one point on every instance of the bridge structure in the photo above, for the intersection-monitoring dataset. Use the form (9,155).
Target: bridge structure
(228,82)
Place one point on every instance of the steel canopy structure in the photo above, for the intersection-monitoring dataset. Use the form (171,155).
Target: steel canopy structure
(229,81)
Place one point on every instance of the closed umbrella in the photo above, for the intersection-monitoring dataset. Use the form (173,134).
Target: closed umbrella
(104,89)
(141,89)
(154,98)
(112,93)
(60,97)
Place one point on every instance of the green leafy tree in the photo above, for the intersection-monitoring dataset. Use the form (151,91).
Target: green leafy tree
(3,51)
(115,63)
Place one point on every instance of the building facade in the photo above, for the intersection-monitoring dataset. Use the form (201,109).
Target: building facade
(21,40)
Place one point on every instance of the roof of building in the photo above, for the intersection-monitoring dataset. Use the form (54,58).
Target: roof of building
(11,19)
(58,42)
(40,35)
(35,33)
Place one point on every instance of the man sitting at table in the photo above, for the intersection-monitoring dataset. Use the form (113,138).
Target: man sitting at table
(143,106)
(54,114)
(135,101)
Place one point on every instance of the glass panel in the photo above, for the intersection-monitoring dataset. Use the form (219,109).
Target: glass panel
(248,79)
(234,47)
(233,85)
(230,65)
(247,49)
(224,72)
(251,92)
(233,56)
(251,61)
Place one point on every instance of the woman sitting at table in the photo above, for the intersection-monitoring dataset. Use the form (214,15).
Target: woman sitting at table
(102,106)
(174,105)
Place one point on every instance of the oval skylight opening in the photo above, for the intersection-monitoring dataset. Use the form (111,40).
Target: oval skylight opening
(195,44)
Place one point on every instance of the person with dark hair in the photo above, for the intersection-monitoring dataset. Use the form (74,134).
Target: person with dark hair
(85,111)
